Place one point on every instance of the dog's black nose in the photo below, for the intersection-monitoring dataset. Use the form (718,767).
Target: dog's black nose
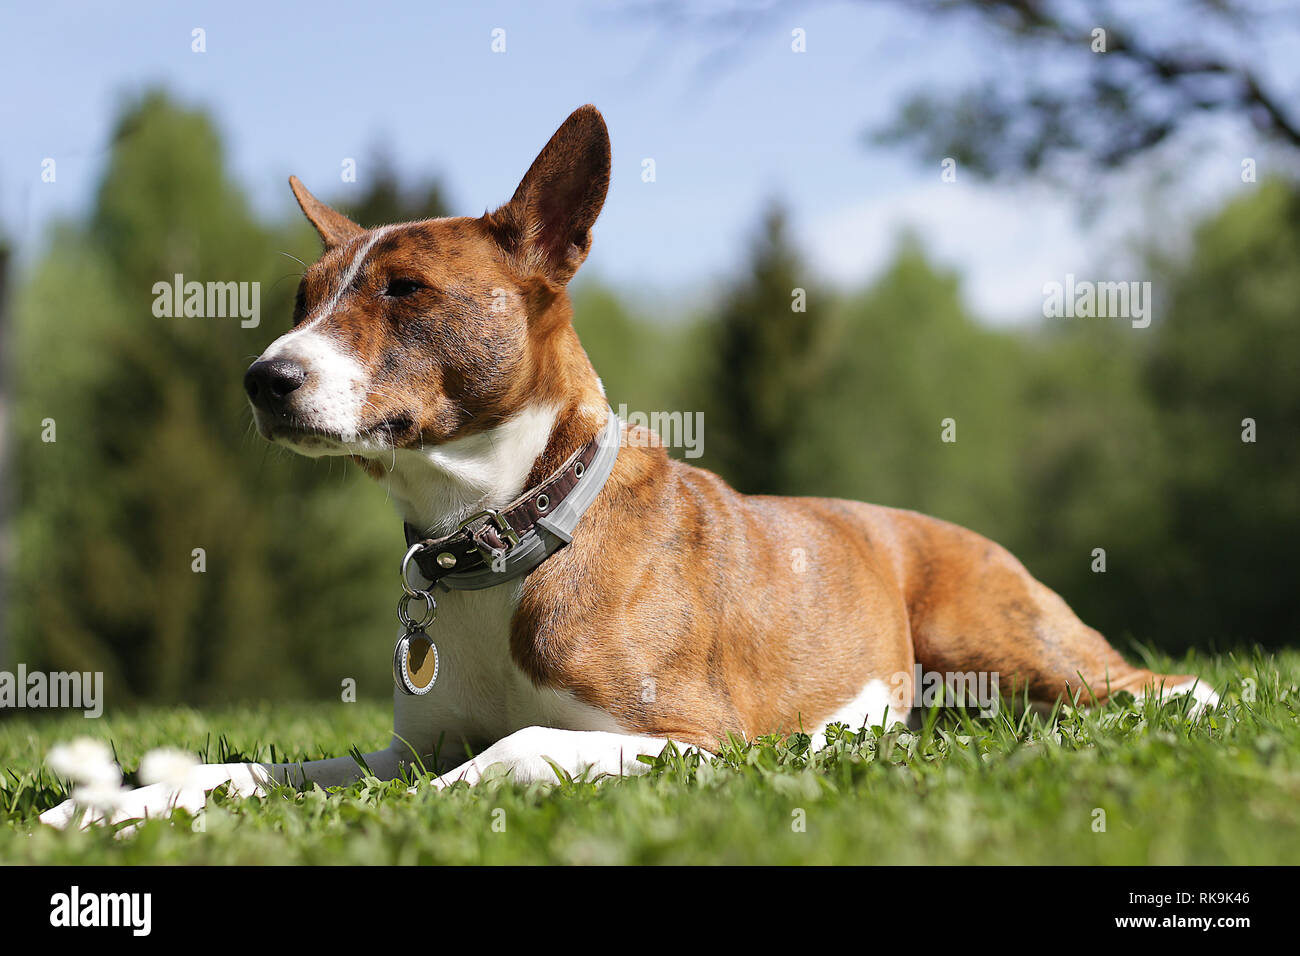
(268,382)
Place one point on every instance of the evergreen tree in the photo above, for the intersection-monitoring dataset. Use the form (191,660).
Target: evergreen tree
(160,541)
(763,365)
(386,200)
(1226,350)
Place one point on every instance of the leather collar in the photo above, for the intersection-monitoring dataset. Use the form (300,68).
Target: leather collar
(499,545)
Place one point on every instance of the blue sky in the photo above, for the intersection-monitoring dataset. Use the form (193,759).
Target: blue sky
(730,116)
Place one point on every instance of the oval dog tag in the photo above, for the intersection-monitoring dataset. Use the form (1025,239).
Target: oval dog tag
(415,663)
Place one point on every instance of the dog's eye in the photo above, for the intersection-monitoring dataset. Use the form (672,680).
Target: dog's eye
(401,288)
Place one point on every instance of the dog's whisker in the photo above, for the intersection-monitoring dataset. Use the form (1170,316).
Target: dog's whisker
(289,275)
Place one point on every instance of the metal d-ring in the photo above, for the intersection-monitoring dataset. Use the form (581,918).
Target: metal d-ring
(405,571)
(404,610)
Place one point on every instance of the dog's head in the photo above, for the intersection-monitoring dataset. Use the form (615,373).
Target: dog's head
(412,335)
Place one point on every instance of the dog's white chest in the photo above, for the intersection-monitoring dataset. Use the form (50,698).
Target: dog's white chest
(481,695)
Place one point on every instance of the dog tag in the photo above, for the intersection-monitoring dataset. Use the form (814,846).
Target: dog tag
(415,662)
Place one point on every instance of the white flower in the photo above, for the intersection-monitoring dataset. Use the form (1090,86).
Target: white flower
(102,795)
(173,768)
(85,761)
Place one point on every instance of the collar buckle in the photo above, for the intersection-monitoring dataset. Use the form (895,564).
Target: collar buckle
(506,535)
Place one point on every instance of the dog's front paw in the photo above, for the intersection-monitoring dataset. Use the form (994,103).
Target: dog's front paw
(62,815)
(158,800)
(175,781)
(1203,696)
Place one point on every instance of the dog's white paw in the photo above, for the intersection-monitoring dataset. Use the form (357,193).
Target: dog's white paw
(175,779)
(158,800)
(1204,697)
(61,815)
(1202,693)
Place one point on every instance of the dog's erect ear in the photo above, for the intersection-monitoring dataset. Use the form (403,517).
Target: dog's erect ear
(547,223)
(334,227)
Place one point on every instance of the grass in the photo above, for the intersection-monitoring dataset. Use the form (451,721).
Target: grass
(1223,789)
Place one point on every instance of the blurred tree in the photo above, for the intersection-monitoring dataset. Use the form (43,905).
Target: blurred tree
(1138,448)
(1120,83)
(643,364)
(152,457)
(1086,468)
(908,361)
(1227,349)
(763,358)
(6,484)
(386,199)
(1064,89)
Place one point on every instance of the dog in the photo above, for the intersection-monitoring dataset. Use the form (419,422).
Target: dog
(662,605)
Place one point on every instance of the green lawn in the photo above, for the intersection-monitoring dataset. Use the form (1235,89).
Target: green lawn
(1224,789)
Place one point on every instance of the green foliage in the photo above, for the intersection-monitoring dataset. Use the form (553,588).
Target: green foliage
(1219,789)
(908,356)
(154,454)
(1135,445)
(642,364)
(1228,350)
(386,199)
(1120,86)
(763,363)
(1085,473)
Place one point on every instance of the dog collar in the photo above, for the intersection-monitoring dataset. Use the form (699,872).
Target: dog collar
(498,545)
